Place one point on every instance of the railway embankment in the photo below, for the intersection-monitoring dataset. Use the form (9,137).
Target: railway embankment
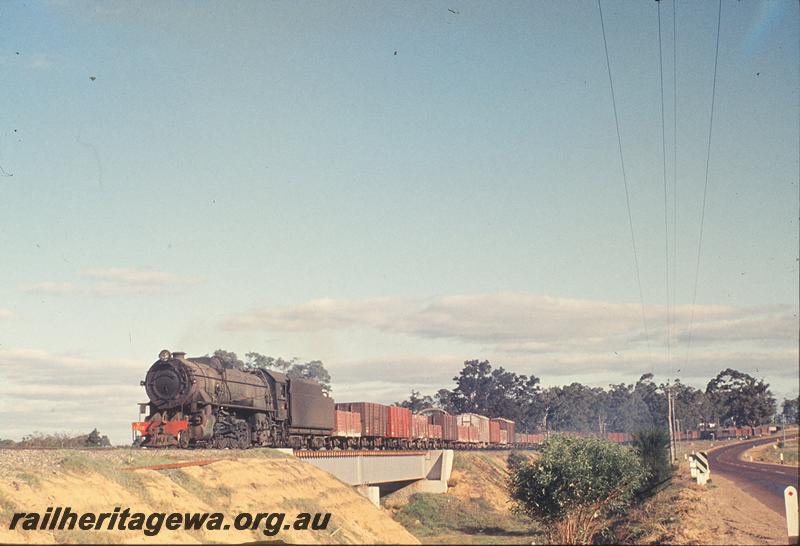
(229,482)
(475,510)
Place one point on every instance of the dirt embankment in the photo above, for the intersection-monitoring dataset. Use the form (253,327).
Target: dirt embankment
(254,481)
(475,510)
(686,513)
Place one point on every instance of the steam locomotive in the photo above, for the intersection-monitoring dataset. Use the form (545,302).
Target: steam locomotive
(204,402)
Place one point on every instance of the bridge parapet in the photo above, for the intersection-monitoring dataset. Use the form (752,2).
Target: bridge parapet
(377,467)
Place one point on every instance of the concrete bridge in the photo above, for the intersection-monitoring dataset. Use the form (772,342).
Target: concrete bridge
(376,472)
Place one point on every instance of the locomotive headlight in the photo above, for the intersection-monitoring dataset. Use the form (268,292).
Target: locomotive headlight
(164,355)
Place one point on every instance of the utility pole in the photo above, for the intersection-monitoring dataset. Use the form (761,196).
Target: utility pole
(675,427)
(783,426)
(669,419)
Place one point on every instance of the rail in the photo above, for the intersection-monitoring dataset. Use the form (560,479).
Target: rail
(306,454)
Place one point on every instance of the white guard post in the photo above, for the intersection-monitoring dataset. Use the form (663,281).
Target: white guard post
(700,468)
(790,500)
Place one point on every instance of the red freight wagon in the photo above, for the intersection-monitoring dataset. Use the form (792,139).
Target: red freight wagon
(435,432)
(475,420)
(494,431)
(504,425)
(399,424)
(419,426)
(463,433)
(448,424)
(347,424)
(374,417)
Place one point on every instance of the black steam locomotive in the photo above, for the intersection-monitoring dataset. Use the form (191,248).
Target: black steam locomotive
(204,402)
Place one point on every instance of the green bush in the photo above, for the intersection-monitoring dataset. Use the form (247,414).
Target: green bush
(574,484)
(653,449)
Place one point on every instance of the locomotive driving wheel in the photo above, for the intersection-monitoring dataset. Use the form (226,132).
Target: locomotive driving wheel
(242,435)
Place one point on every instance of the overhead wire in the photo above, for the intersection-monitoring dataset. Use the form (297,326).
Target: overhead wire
(664,169)
(625,183)
(705,186)
(674,164)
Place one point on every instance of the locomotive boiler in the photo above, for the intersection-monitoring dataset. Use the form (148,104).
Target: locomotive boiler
(204,402)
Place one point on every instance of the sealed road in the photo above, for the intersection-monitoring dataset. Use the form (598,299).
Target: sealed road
(765,482)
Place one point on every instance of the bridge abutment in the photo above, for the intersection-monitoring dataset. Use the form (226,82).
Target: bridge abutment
(367,471)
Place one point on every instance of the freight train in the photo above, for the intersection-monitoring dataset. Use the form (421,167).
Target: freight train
(205,402)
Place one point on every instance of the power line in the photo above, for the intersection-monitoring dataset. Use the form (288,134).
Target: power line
(625,182)
(664,169)
(705,186)
(675,162)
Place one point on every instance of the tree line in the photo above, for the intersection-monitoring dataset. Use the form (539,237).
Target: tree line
(732,398)
(59,440)
(314,369)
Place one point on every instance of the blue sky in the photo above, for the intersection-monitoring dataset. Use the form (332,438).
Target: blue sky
(272,177)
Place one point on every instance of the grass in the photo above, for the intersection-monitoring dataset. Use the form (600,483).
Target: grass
(429,515)
(82,462)
(7,504)
(470,514)
(768,454)
(209,495)
(31,479)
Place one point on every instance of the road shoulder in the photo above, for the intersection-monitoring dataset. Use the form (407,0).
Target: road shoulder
(721,513)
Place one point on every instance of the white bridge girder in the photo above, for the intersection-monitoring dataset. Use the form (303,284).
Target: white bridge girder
(362,469)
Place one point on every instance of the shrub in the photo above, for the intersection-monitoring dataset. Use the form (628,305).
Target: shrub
(574,484)
(652,447)
(516,459)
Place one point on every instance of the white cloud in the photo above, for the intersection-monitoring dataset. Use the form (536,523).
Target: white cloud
(557,339)
(521,321)
(52,288)
(5,313)
(429,373)
(130,276)
(52,392)
(116,281)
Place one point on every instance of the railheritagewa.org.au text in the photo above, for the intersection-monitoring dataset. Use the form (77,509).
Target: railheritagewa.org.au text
(63,518)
